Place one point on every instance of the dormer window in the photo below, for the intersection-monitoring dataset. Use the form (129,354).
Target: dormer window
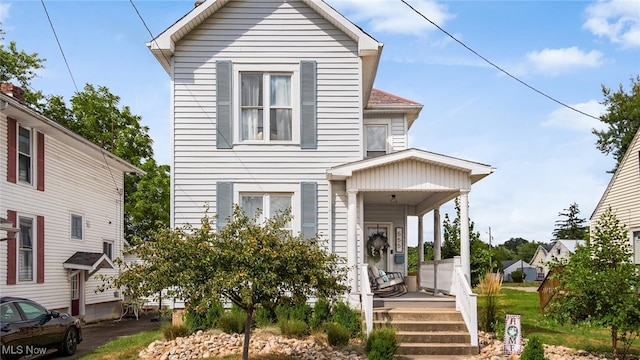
(375,140)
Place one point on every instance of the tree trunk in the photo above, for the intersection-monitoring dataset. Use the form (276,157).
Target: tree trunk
(247,333)
(614,341)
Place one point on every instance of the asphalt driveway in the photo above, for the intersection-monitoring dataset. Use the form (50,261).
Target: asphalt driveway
(96,335)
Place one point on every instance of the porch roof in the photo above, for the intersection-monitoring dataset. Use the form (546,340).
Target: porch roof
(476,170)
(89,261)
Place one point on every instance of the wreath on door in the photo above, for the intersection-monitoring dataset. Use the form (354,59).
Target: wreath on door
(376,245)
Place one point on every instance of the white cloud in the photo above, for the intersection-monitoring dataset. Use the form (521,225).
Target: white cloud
(394,17)
(566,118)
(4,11)
(556,61)
(617,20)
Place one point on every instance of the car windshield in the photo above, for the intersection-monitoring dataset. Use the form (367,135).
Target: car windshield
(32,311)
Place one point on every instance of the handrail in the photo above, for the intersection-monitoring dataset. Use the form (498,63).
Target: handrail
(366,298)
(466,303)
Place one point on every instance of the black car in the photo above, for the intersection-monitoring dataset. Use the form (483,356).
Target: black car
(29,330)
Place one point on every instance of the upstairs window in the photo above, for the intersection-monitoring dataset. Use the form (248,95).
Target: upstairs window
(107,249)
(76,227)
(375,140)
(25,146)
(266,107)
(636,245)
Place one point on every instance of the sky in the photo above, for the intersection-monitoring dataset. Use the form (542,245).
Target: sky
(544,153)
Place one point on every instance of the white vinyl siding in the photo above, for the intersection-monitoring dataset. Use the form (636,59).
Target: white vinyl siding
(623,192)
(268,37)
(92,192)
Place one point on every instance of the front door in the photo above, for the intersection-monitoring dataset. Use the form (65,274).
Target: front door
(75,294)
(375,234)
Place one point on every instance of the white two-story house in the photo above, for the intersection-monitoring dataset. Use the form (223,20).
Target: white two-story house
(273,106)
(61,206)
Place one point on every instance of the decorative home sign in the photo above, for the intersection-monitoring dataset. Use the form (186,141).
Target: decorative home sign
(399,240)
(512,335)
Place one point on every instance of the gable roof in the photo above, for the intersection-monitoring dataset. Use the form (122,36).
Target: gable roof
(381,102)
(635,144)
(369,49)
(571,244)
(477,170)
(12,107)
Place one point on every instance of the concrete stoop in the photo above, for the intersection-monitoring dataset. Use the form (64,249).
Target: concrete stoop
(427,331)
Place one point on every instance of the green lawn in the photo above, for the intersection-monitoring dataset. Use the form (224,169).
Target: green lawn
(583,337)
(124,347)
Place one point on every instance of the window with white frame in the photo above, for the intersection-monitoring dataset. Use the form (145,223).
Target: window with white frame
(76,227)
(107,249)
(25,249)
(375,140)
(266,110)
(25,155)
(636,245)
(267,204)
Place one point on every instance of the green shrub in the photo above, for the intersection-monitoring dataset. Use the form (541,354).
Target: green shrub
(518,276)
(264,317)
(300,312)
(344,315)
(170,331)
(232,322)
(533,350)
(293,328)
(381,344)
(203,316)
(338,335)
(321,313)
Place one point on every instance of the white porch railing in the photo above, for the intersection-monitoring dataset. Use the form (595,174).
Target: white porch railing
(445,275)
(466,301)
(366,298)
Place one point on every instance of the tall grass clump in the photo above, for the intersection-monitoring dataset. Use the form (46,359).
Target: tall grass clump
(233,321)
(381,344)
(170,331)
(490,287)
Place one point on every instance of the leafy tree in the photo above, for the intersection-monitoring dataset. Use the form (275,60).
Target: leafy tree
(499,254)
(412,256)
(451,245)
(513,243)
(250,263)
(20,66)
(572,227)
(527,250)
(600,283)
(622,118)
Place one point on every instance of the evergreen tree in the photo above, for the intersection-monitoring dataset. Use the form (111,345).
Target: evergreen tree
(571,227)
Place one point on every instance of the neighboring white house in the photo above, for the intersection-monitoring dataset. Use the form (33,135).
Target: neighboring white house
(64,197)
(273,106)
(539,260)
(509,266)
(623,195)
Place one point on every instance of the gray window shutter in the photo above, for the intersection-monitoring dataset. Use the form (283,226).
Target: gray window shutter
(308,111)
(224,203)
(309,206)
(224,121)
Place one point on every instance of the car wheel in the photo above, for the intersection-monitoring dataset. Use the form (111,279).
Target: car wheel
(70,341)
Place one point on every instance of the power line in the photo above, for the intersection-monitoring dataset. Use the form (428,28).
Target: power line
(498,67)
(59,45)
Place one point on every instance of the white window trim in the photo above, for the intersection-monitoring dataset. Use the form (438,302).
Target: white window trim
(285,69)
(293,189)
(634,243)
(34,249)
(32,156)
(82,223)
(113,248)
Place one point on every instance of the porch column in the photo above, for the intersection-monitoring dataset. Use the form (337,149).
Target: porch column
(437,244)
(352,238)
(465,247)
(420,247)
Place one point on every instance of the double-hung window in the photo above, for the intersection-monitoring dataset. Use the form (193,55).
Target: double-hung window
(107,249)
(25,155)
(267,204)
(636,245)
(266,111)
(76,227)
(25,249)
(376,140)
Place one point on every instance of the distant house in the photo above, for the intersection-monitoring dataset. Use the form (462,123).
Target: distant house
(510,266)
(539,260)
(563,249)
(61,212)
(623,195)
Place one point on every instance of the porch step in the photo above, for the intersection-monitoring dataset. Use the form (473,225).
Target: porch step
(427,331)
(432,302)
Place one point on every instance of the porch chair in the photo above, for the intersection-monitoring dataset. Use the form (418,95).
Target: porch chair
(385,284)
